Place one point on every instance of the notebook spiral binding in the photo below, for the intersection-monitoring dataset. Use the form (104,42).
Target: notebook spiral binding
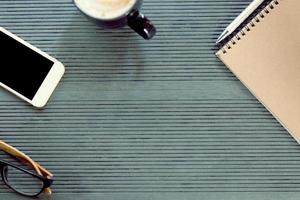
(253,22)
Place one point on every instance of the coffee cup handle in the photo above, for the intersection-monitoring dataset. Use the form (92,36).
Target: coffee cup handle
(141,24)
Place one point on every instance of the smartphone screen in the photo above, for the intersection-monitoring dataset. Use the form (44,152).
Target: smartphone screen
(21,68)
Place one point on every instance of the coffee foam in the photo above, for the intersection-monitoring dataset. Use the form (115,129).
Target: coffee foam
(105,9)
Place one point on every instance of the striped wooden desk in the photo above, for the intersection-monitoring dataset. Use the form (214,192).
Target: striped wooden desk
(146,120)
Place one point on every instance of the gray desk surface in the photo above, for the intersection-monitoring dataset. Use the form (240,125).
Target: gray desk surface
(146,120)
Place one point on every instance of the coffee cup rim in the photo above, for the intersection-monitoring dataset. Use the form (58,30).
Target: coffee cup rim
(110,19)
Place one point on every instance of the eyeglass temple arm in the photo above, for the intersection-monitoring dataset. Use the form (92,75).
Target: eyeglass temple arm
(41,169)
(27,160)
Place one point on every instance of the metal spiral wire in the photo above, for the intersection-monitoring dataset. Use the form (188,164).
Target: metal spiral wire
(243,32)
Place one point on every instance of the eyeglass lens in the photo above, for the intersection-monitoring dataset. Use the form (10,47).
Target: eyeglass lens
(23,182)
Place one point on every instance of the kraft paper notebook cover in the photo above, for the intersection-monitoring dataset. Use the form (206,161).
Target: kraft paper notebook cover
(265,56)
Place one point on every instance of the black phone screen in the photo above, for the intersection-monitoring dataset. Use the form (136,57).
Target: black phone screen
(21,68)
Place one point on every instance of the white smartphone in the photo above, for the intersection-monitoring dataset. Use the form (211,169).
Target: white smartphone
(26,71)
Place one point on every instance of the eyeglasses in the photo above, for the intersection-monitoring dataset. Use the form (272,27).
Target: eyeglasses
(23,181)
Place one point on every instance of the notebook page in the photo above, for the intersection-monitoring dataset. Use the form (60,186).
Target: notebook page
(267,61)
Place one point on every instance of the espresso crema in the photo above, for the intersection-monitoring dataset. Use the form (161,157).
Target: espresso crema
(105,9)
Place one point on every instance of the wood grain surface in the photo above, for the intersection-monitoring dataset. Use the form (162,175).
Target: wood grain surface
(135,119)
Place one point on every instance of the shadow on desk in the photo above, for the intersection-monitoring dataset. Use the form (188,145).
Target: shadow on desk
(109,55)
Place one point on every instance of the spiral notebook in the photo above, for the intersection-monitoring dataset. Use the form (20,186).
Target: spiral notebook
(265,56)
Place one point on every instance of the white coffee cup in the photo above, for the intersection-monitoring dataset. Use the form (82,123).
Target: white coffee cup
(116,14)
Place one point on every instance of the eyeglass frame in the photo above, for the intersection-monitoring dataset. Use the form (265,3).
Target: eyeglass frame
(47,182)
(40,171)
